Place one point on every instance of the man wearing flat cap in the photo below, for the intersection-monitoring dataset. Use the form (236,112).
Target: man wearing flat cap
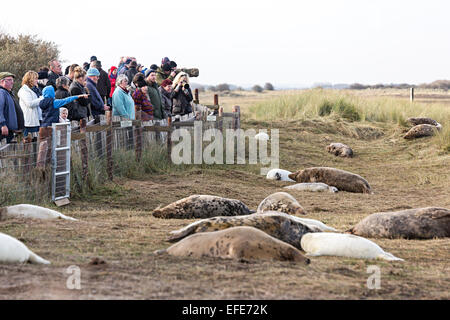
(8,116)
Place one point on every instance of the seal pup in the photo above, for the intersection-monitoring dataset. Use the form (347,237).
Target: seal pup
(343,245)
(202,206)
(236,243)
(421,130)
(340,149)
(312,186)
(279,226)
(419,223)
(14,251)
(311,223)
(341,179)
(281,201)
(262,136)
(31,211)
(279,174)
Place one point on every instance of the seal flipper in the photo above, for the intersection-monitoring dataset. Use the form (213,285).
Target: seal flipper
(389,257)
(34,258)
(184,232)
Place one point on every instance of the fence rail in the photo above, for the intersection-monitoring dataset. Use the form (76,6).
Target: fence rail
(96,149)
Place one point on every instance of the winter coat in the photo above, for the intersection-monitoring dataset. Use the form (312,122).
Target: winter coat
(103,84)
(79,108)
(97,104)
(142,101)
(50,106)
(29,102)
(112,79)
(130,73)
(166,100)
(156,100)
(181,101)
(123,104)
(161,76)
(8,114)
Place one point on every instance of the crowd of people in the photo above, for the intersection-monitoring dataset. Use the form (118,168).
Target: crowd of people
(82,92)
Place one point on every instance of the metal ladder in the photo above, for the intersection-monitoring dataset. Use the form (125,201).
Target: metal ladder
(61,161)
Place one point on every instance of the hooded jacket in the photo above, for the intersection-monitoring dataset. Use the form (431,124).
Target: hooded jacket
(112,79)
(50,106)
(29,102)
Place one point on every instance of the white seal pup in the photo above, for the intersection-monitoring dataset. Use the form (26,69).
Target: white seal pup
(281,201)
(279,174)
(14,251)
(312,186)
(236,243)
(262,136)
(343,245)
(31,211)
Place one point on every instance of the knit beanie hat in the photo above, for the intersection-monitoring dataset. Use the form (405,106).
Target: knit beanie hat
(93,72)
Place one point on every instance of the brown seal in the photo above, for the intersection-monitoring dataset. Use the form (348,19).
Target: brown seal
(283,202)
(341,179)
(420,223)
(202,206)
(417,121)
(340,149)
(275,224)
(236,243)
(421,130)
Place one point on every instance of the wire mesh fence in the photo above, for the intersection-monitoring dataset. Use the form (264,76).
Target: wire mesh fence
(43,170)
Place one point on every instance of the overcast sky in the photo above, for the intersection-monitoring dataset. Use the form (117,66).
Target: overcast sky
(247,42)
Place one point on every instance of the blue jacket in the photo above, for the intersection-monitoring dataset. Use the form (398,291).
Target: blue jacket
(123,104)
(8,115)
(97,104)
(50,106)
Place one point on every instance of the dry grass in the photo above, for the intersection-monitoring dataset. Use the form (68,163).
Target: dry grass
(115,225)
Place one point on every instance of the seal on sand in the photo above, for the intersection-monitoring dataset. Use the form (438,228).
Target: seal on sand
(202,206)
(343,245)
(14,251)
(281,201)
(31,211)
(341,179)
(236,243)
(419,223)
(277,225)
(279,174)
(312,186)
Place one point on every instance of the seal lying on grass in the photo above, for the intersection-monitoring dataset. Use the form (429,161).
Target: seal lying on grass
(417,121)
(281,201)
(282,227)
(31,211)
(420,223)
(421,130)
(343,180)
(340,149)
(343,245)
(312,186)
(236,243)
(14,251)
(279,174)
(202,206)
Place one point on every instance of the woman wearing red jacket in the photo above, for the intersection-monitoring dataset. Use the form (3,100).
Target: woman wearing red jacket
(112,78)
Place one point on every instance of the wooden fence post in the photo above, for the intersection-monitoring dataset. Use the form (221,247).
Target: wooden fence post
(84,150)
(411,94)
(109,145)
(236,117)
(45,139)
(169,138)
(220,120)
(138,133)
(196,100)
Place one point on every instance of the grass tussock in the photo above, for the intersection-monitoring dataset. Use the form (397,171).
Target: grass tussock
(330,104)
